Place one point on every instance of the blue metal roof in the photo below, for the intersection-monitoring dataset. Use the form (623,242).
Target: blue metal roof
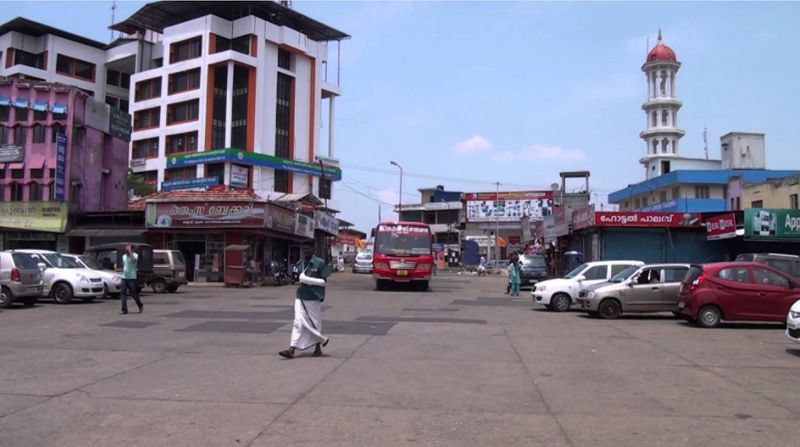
(701,177)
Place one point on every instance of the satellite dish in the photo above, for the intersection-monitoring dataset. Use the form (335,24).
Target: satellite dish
(554,187)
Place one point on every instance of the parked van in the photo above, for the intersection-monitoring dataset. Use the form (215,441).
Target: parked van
(169,271)
(109,256)
(20,279)
(789,264)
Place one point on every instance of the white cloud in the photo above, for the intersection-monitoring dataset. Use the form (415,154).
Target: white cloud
(542,153)
(473,144)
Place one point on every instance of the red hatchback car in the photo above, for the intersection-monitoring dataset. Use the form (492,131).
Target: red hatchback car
(730,291)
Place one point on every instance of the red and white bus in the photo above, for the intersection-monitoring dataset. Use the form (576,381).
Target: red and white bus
(402,253)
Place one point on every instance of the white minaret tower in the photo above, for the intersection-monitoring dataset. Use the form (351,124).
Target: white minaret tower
(661,110)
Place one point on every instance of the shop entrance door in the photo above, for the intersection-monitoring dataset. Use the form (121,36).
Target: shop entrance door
(189,250)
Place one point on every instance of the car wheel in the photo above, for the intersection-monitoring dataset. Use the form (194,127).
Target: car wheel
(30,302)
(159,286)
(105,292)
(62,293)
(561,302)
(6,298)
(609,309)
(172,289)
(709,317)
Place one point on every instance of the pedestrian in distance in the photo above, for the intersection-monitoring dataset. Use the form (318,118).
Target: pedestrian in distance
(307,325)
(514,275)
(130,264)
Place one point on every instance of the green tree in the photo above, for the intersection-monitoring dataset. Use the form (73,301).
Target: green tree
(137,186)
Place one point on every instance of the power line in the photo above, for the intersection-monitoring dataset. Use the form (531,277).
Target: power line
(367,196)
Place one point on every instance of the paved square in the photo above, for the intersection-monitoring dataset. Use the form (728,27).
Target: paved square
(463,364)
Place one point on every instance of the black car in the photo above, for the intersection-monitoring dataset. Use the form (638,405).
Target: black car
(534,269)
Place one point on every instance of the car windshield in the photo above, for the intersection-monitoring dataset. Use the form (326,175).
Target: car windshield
(623,275)
(576,272)
(90,263)
(58,261)
(415,242)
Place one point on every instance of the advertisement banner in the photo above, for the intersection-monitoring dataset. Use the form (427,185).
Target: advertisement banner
(189,184)
(35,216)
(61,166)
(280,219)
(304,226)
(583,218)
(11,153)
(240,176)
(646,219)
(205,215)
(508,206)
(254,159)
(762,223)
(327,223)
(721,227)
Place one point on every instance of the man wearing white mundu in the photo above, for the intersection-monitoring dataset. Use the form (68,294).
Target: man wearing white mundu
(307,326)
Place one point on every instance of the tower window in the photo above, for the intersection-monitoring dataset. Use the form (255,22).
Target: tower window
(664,117)
(655,119)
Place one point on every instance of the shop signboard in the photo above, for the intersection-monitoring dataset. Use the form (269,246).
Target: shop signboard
(508,206)
(583,217)
(61,166)
(240,176)
(253,159)
(762,223)
(346,239)
(34,216)
(11,153)
(649,219)
(327,223)
(138,162)
(227,214)
(304,226)
(721,227)
(280,219)
(119,124)
(189,184)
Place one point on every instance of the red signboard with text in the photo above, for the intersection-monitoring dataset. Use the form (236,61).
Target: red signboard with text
(583,217)
(630,219)
(721,227)
(205,215)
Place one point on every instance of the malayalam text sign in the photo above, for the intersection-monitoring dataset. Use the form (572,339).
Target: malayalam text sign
(646,219)
(205,214)
(721,227)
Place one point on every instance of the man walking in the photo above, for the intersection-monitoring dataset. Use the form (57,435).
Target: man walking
(307,325)
(130,263)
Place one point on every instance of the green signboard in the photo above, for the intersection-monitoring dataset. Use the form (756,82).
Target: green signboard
(119,124)
(254,159)
(760,223)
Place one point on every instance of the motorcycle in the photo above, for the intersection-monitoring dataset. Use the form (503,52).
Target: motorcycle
(295,275)
(278,273)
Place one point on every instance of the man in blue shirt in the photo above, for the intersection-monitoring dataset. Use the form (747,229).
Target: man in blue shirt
(130,263)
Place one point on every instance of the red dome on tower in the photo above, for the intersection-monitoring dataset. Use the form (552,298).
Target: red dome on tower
(661,52)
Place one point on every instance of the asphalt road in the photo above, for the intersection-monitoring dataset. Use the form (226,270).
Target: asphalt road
(460,365)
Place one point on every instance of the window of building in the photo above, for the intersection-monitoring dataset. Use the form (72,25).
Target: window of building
(118,79)
(284,59)
(637,204)
(187,173)
(78,135)
(75,67)
(38,133)
(793,204)
(17,174)
(701,192)
(757,204)
(644,201)
(325,188)
(664,118)
(184,81)
(662,196)
(147,89)
(185,142)
(30,59)
(183,112)
(241,85)
(239,44)
(36,174)
(738,203)
(34,192)
(145,148)
(149,177)
(219,111)
(40,115)
(3,136)
(665,167)
(283,116)
(281,181)
(147,119)
(187,49)
(16,192)
(55,130)
(20,114)
(4,113)
(676,193)
(20,134)
(216,170)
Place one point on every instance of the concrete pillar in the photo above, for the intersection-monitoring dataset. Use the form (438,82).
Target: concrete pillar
(331,126)
(229,106)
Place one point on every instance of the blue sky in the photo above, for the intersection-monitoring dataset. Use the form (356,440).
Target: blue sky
(464,94)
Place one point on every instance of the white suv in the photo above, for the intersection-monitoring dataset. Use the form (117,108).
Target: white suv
(559,294)
(63,279)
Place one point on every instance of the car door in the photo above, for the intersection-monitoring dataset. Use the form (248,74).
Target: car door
(736,293)
(592,275)
(774,294)
(671,278)
(47,274)
(644,292)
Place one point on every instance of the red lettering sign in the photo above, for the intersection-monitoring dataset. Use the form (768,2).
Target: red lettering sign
(721,227)
(646,219)
(205,214)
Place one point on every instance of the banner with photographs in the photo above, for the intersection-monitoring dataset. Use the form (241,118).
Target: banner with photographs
(509,206)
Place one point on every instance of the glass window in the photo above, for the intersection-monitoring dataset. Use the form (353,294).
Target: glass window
(219,111)
(675,274)
(283,117)
(160,258)
(38,133)
(145,119)
(284,59)
(241,86)
(187,173)
(281,181)
(20,134)
(75,67)
(757,204)
(736,274)
(596,272)
(147,89)
(183,111)
(185,142)
(145,148)
(617,268)
(184,81)
(781,264)
(39,115)
(29,59)
(769,278)
(34,192)
(107,259)
(24,260)
(793,203)
(187,49)
(16,192)
(20,114)
(241,44)
(649,276)
(701,192)
(623,274)
(4,113)
(216,170)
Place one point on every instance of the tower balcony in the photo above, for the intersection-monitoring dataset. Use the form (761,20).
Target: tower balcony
(661,132)
(661,102)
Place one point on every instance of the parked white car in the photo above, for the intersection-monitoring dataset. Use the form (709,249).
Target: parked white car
(561,293)
(64,279)
(793,322)
(112,282)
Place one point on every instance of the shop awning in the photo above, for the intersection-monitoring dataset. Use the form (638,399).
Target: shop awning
(40,106)
(4,100)
(58,108)
(22,103)
(105,232)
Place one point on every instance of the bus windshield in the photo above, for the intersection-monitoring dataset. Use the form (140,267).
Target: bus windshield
(403,240)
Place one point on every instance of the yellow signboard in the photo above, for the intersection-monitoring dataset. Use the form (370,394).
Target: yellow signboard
(35,216)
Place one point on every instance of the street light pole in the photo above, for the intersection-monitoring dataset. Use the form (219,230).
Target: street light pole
(496,223)
(400,197)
